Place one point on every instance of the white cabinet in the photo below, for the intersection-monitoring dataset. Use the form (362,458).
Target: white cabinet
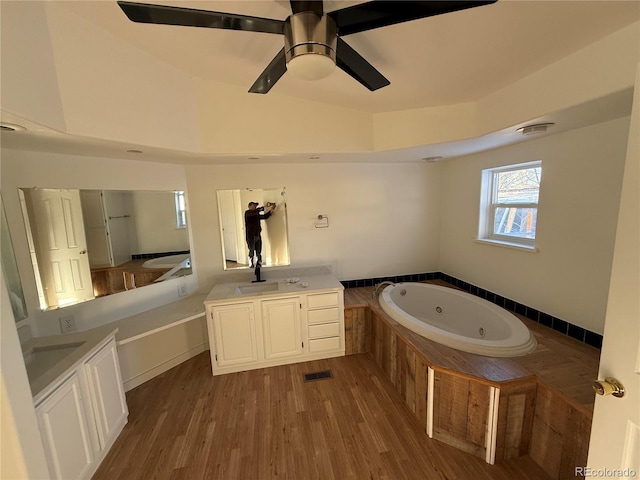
(62,419)
(281,330)
(234,330)
(81,416)
(325,322)
(275,330)
(107,394)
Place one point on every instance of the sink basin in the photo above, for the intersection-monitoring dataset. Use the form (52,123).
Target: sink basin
(256,288)
(40,359)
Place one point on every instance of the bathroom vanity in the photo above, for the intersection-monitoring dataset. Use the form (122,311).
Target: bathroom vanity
(78,397)
(256,325)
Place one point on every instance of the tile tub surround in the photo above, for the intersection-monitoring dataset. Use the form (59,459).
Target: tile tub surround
(574,331)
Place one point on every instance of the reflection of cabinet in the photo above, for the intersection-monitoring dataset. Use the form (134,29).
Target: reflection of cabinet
(274,330)
(82,415)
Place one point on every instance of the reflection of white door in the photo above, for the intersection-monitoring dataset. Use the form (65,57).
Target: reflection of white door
(615,433)
(96,228)
(61,246)
(228,219)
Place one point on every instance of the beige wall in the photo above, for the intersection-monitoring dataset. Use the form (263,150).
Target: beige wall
(579,198)
(19,432)
(155,222)
(383,218)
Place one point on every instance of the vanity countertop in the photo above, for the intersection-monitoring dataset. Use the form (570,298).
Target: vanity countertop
(50,358)
(225,292)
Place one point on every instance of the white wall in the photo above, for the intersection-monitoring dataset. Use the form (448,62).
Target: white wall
(18,425)
(155,223)
(579,198)
(383,218)
(35,169)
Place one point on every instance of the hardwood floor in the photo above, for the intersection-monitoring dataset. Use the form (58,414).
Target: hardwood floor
(269,423)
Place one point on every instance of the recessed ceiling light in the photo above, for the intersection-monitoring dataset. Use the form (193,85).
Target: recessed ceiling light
(314,157)
(535,128)
(436,158)
(11,127)
(134,151)
(253,158)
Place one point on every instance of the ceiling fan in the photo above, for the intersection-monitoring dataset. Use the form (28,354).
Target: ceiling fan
(313,43)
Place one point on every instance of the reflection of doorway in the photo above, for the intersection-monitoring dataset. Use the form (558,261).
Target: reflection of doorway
(229,225)
(97,228)
(60,245)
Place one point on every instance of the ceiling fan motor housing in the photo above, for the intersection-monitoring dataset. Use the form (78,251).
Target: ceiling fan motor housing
(305,34)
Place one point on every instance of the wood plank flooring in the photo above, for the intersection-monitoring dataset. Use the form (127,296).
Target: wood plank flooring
(269,423)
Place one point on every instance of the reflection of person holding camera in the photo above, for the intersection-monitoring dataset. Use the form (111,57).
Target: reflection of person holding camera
(253,228)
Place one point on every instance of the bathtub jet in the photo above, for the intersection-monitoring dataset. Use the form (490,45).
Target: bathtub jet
(457,319)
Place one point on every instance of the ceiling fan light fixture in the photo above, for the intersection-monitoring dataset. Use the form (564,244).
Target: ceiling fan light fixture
(310,45)
(311,66)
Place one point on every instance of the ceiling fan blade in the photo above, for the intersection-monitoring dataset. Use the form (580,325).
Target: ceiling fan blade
(298,6)
(352,62)
(376,14)
(271,74)
(189,17)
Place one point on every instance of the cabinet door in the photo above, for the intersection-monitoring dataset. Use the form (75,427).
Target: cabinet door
(107,393)
(63,425)
(235,334)
(281,328)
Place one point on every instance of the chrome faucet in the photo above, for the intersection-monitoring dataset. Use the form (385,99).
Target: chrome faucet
(378,286)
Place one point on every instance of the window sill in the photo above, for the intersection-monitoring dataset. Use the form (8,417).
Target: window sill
(515,246)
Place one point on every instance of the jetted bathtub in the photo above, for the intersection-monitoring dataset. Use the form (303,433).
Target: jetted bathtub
(457,319)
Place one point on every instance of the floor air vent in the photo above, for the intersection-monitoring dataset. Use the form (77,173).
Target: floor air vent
(321,375)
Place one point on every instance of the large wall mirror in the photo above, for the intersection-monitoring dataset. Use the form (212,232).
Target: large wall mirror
(232,207)
(86,244)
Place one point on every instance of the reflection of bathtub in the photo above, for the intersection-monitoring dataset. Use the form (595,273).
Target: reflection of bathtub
(178,265)
(183,260)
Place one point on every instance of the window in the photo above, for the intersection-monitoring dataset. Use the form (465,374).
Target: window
(509,204)
(181,209)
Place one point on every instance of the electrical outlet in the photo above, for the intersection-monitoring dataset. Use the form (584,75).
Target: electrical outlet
(182,290)
(67,324)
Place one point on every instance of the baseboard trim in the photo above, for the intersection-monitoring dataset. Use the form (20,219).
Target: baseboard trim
(153,372)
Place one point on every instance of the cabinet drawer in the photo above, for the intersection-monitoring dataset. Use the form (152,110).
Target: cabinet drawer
(323,316)
(324,344)
(324,330)
(322,300)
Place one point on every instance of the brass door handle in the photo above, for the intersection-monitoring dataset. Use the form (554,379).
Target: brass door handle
(609,386)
